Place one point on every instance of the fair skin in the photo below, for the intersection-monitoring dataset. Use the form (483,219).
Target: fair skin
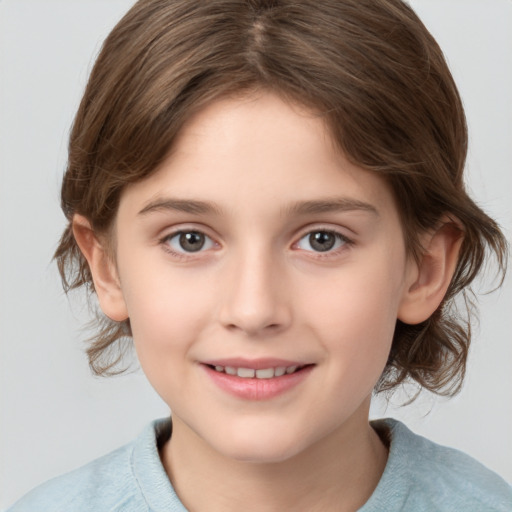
(258,245)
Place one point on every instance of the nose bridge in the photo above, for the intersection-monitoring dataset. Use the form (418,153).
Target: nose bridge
(255,299)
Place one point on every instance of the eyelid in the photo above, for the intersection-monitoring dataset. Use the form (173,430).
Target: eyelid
(180,233)
(314,228)
(185,227)
(164,239)
(347,241)
(176,230)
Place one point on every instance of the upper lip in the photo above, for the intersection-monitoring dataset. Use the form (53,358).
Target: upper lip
(255,364)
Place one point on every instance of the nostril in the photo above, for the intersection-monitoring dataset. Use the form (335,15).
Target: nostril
(253,318)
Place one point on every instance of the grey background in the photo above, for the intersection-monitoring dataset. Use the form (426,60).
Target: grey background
(54,416)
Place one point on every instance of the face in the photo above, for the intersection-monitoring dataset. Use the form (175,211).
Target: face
(262,274)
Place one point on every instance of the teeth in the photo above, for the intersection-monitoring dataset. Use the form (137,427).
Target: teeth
(246,373)
(250,373)
(279,371)
(265,374)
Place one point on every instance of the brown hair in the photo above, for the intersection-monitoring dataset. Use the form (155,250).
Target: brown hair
(369,67)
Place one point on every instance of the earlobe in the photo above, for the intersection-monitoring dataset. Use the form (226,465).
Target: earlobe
(430,278)
(104,274)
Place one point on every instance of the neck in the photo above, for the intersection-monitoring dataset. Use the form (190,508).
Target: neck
(338,473)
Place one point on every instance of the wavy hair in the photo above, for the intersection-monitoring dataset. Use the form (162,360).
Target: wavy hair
(369,67)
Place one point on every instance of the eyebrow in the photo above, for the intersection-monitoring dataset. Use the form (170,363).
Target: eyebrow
(181,205)
(335,204)
(194,207)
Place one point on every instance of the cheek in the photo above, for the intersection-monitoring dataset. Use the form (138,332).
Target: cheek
(362,296)
(354,314)
(166,313)
(166,320)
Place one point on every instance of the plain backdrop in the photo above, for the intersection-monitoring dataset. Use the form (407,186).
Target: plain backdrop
(54,415)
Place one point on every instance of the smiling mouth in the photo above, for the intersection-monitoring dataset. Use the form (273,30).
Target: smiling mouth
(264,373)
(257,380)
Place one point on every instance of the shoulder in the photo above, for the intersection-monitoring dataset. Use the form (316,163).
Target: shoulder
(130,479)
(103,484)
(435,477)
(110,483)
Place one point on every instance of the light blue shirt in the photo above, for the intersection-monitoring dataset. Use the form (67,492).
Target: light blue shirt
(420,476)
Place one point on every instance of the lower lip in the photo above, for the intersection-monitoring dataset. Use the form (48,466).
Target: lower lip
(257,389)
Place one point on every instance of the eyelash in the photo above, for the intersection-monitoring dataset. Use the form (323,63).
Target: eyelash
(182,255)
(345,242)
(339,237)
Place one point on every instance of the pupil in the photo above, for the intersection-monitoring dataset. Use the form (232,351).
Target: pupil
(192,242)
(322,241)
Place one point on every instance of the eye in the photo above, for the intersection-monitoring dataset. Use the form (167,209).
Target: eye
(188,242)
(322,241)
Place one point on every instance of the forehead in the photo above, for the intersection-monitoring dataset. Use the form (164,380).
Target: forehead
(255,151)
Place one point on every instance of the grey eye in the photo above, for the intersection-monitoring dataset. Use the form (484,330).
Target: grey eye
(321,241)
(189,241)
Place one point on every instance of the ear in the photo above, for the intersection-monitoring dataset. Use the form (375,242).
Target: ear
(429,279)
(103,270)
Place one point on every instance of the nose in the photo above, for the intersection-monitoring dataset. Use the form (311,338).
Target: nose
(255,299)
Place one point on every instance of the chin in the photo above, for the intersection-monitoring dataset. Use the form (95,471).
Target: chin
(260,448)
(269,456)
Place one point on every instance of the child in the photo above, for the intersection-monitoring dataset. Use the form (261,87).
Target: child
(267,196)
